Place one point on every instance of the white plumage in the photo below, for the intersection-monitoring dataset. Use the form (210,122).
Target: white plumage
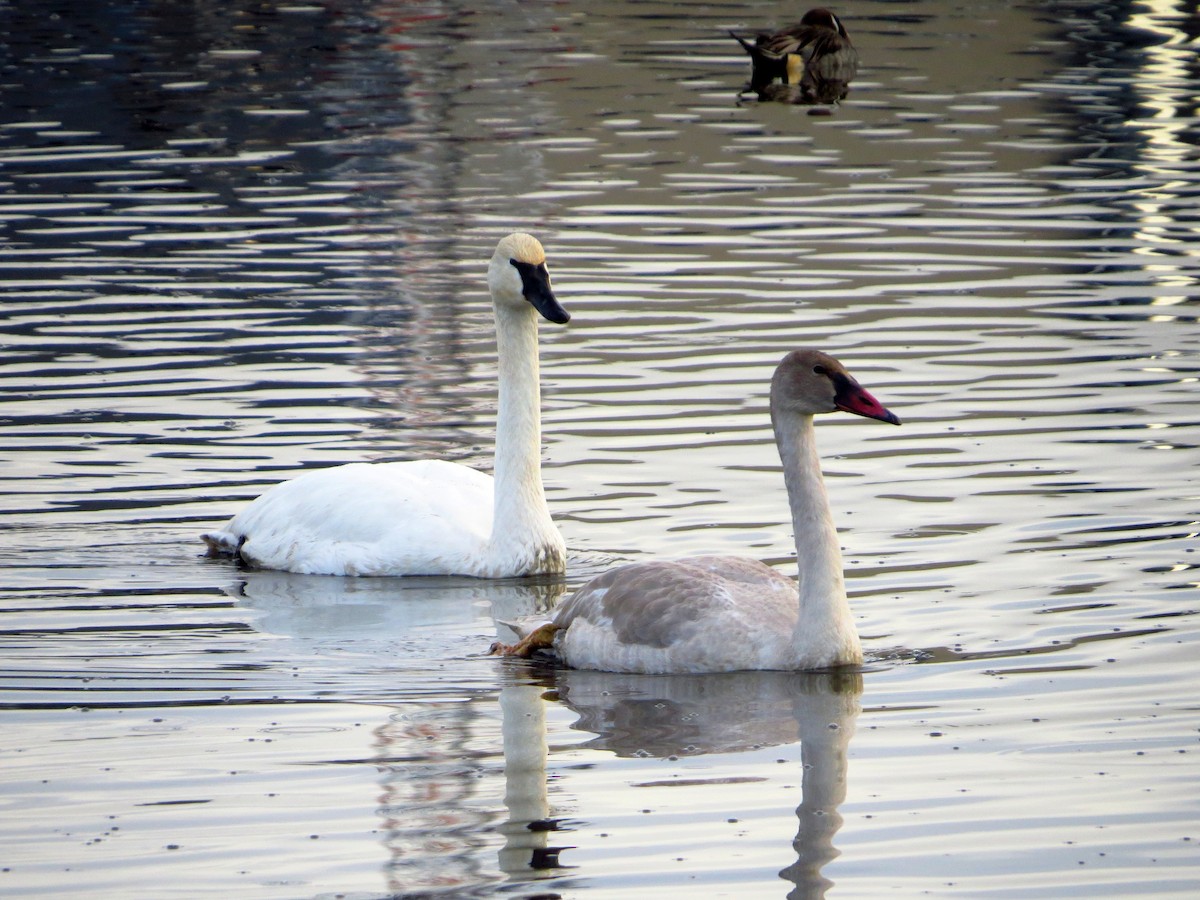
(729,613)
(430,517)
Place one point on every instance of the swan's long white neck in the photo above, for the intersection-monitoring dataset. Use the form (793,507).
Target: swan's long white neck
(520,513)
(825,625)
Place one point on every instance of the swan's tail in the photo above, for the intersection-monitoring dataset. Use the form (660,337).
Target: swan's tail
(524,626)
(222,543)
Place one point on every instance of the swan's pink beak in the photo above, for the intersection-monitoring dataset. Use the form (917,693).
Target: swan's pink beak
(852,397)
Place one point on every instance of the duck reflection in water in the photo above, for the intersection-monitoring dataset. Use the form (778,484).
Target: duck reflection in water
(665,716)
(809,63)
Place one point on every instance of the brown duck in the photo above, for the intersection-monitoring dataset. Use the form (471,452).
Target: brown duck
(812,62)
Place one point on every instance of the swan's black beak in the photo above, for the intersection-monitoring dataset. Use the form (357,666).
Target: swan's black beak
(535,285)
(852,397)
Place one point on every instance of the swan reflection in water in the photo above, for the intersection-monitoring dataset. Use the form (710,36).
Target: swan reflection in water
(686,715)
(386,608)
(392,643)
(436,824)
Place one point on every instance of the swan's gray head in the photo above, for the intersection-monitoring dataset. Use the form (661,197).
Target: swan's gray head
(517,275)
(808,382)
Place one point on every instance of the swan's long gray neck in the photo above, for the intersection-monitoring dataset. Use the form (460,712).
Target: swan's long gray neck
(823,607)
(520,501)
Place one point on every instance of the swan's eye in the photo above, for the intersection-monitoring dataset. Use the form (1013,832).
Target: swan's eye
(540,267)
(820,370)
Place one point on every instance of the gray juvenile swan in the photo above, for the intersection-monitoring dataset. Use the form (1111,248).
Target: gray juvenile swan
(730,613)
(430,517)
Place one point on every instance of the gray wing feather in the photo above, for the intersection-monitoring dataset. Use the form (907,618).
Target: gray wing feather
(658,604)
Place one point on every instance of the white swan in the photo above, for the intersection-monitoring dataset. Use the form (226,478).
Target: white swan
(729,613)
(430,517)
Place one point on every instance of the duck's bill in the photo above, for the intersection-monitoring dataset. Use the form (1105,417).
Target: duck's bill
(852,397)
(535,285)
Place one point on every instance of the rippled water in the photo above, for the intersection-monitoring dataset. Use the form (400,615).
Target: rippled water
(242,239)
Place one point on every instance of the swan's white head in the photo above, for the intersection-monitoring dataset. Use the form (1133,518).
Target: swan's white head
(517,275)
(808,382)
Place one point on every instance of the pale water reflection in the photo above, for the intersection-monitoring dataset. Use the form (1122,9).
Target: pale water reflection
(241,240)
(673,717)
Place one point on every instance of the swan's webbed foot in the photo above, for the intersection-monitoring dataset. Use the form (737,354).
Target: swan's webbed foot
(541,638)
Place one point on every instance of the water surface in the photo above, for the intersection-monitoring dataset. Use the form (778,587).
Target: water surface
(240,241)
